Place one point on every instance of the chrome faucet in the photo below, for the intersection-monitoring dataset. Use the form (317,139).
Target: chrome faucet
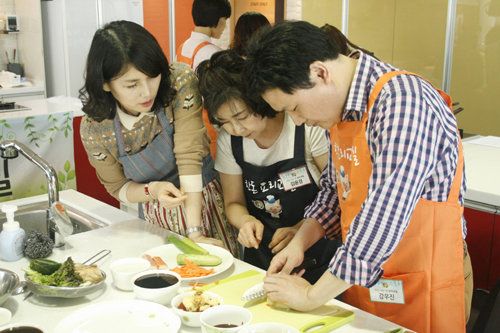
(10,149)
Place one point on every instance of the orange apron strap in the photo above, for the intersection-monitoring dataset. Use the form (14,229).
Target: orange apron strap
(457,181)
(380,84)
(188,60)
(199,48)
(178,54)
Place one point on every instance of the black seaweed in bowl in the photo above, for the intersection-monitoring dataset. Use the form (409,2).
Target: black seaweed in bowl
(22,329)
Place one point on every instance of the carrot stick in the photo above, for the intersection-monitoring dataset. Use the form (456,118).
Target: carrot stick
(192,270)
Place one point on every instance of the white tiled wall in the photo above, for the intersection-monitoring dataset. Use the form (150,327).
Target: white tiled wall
(8,42)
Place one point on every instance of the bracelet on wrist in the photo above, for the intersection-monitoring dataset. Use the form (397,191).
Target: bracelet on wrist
(147,192)
(190,230)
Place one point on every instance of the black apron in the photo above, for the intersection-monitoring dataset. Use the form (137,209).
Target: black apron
(267,200)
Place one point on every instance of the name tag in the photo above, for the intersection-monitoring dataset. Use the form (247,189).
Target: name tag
(295,178)
(388,291)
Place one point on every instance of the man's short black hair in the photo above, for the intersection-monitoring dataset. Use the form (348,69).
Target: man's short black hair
(280,56)
(206,13)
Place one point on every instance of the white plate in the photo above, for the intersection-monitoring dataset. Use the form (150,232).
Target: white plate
(121,316)
(169,252)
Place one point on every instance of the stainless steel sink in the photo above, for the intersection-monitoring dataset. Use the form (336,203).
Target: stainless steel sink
(35,217)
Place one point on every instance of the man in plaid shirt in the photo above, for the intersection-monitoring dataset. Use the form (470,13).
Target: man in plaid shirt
(393,187)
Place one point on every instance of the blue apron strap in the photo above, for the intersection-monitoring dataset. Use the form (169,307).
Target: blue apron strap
(119,135)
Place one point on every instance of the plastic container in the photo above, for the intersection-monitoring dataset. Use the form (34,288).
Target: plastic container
(12,236)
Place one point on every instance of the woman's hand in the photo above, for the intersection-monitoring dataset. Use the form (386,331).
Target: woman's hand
(281,238)
(167,194)
(200,238)
(250,233)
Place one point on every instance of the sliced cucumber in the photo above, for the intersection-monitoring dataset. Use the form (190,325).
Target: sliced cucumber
(183,246)
(199,259)
(193,244)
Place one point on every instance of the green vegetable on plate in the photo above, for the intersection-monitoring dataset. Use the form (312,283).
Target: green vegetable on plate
(64,276)
(185,247)
(199,259)
(194,245)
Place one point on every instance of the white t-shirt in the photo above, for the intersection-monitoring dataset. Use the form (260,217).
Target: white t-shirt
(315,145)
(204,53)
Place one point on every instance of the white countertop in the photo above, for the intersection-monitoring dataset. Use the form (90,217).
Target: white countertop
(21,90)
(482,170)
(45,106)
(122,238)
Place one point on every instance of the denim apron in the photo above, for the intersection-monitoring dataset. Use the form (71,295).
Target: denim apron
(156,162)
(267,201)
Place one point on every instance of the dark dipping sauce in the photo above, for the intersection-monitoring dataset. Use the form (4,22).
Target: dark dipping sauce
(226,325)
(155,281)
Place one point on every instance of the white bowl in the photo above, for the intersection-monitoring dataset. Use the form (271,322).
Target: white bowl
(123,270)
(224,315)
(5,316)
(161,288)
(9,281)
(189,318)
(269,328)
(20,327)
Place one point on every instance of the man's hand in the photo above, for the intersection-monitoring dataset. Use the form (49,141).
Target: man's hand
(281,238)
(290,290)
(298,294)
(286,260)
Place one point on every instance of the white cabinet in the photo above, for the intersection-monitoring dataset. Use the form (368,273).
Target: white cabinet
(21,94)
(68,28)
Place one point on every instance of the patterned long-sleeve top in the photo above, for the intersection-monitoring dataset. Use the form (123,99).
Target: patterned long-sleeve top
(191,142)
(413,142)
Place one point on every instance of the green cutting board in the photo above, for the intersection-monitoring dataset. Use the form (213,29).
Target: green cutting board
(233,287)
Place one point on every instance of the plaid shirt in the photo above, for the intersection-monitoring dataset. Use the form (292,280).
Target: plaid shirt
(413,142)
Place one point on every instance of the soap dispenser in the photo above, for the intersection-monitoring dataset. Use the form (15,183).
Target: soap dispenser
(12,236)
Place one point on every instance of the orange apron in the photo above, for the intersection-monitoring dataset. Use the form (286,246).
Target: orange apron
(212,133)
(429,257)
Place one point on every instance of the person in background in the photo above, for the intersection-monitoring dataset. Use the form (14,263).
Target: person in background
(393,187)
(209,18)
(144,135)
(345,46)
(248,23)
(269,167)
